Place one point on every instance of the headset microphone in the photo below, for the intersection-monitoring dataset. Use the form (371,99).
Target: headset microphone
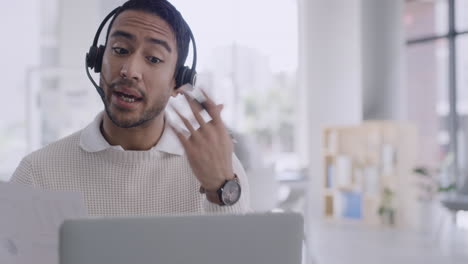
(98,88)
(184,75)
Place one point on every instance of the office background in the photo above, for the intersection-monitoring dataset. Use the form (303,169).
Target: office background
(285,71)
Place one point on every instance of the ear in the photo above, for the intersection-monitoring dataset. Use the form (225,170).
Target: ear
(175,91)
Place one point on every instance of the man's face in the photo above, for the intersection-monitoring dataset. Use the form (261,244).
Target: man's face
(138,68)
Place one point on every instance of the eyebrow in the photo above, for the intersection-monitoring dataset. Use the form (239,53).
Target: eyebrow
(120,33)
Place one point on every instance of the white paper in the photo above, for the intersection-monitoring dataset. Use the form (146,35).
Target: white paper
(388,159)
(344,169)
(30,219)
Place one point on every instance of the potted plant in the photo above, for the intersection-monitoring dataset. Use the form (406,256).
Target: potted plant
(386,209)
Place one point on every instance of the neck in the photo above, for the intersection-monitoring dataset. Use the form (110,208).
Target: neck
(143,137)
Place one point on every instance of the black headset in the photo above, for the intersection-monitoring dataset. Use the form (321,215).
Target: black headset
(185,75)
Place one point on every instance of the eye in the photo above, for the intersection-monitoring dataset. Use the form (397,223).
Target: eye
(153,60)
(120,51)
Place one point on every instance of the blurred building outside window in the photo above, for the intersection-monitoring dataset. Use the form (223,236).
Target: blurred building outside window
(249,63)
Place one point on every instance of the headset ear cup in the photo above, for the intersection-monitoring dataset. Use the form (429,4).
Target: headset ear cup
(186,75)
(192,77)
(180,77)
(91,57)
(99,56)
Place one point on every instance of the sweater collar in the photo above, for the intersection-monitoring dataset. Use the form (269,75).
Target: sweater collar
(92,140)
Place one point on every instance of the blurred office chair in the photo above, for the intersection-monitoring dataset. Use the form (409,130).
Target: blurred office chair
(263,183)
(457,201)
(453,203)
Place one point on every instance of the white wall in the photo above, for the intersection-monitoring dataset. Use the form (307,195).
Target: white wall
(79,21)
(19,24)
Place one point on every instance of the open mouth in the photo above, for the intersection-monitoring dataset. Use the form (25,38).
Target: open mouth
(128,97)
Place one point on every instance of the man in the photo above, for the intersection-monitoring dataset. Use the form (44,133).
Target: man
(132,160)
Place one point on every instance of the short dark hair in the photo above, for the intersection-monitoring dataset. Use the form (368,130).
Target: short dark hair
(168,13)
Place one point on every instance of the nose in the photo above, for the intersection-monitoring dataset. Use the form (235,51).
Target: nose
(130,69)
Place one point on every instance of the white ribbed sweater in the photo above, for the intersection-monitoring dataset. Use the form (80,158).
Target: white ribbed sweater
(123,183)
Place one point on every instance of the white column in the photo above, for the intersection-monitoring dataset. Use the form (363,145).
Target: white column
(382,60)
(330,72)
(79,21)
(351,69)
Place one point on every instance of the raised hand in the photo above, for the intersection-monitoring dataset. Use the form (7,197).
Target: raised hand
(209,148)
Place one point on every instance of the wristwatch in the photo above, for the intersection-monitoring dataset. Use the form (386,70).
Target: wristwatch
(228,194)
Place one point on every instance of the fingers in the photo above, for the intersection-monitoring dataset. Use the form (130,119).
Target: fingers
(185,121)
(196,109)
(211,107)
(179,134)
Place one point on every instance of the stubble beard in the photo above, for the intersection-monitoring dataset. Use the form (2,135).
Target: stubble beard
(147,115)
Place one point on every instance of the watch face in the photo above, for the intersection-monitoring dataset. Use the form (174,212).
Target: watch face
(231,192)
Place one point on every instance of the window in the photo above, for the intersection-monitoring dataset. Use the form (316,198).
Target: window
(426,18)
(428,86)
(462,102)
(437,49)
(248,61)
(461,11)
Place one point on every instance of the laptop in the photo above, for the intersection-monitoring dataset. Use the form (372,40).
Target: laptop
(229,239)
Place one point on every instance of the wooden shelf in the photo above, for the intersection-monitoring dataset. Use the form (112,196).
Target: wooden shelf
(360,162)
(347,188)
